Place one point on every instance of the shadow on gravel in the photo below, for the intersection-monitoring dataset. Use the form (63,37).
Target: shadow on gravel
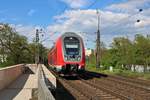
(87,75)
(90,75)
(95,74)
(70,77)
(62,93)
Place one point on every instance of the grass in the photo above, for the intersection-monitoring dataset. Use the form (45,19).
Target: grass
(125,73)
(2,65)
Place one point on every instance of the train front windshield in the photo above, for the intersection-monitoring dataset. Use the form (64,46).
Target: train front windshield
(72,46)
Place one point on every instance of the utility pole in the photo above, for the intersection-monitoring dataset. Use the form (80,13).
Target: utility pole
(37,47)
(41,51)
(98,42)
(39,55)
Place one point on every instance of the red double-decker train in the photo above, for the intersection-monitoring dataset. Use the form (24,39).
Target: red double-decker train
(68,54)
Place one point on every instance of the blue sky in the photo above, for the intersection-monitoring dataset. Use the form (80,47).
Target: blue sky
(118,18)
(40,12)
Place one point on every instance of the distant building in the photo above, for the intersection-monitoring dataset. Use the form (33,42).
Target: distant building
(88,52)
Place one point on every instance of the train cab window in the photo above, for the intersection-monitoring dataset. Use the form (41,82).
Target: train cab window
(72,49)
(72,46)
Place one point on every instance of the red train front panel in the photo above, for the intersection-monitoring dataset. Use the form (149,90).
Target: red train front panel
(68,54)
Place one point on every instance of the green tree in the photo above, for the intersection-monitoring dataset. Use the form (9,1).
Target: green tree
(124,51)
(142,51)
(120,53)
(13,44)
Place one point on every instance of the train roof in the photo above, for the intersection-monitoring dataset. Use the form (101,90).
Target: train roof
(66,34)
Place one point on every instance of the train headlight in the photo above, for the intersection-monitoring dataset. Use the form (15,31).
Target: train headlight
(79,58)
(66,58)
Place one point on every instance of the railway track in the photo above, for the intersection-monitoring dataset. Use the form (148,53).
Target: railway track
(144,83)
(132,90)
(82,90)
(88,91)
(94,86)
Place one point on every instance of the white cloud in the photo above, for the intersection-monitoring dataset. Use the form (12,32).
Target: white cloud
(112,24)
(130,6)
(30,31)
(31,12)
(147,12)
(26,30)
(116,20)
(142,23)
(76,3)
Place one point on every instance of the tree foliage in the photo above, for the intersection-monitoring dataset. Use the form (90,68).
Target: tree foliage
(15,47)
(124,53)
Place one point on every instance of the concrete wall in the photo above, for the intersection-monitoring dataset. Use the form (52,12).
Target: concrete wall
(9,74)
(49,76)
(46,82)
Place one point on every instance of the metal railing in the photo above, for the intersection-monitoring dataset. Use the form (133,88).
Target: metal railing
(43,89)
